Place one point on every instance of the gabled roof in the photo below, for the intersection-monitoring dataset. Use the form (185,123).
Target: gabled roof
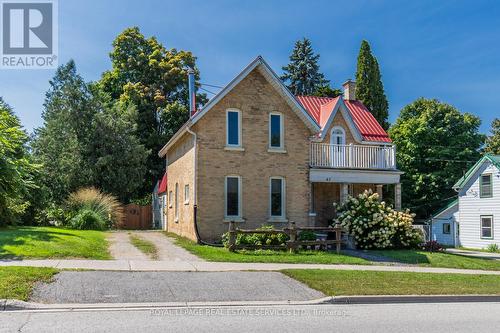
(450,205)
(275,81)
(321,107)
(493,159)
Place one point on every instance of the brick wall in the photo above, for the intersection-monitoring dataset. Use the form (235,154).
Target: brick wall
(255,98)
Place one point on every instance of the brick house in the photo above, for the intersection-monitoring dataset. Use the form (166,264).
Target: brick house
(256,154)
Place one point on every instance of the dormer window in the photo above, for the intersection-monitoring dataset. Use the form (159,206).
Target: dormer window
(233,128)
(337,136)
(276,140)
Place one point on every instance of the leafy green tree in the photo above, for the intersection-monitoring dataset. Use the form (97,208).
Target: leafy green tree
(302,75)
(150,77)
(493,141)
(435,144)
(369,87)
(327,91)
(16,168)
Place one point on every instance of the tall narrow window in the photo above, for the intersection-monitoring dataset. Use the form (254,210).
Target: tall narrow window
(485,186)
(170,199)
(233,128)
(276,130)
(176,202)
(233,196)
(186,194)
(277,197)
(487,227)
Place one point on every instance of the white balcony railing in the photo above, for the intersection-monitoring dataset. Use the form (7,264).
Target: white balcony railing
(353,156)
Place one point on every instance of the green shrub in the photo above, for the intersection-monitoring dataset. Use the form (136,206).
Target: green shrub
(307,235)
(492,248)
(257,239)
(377,226)
(87,219)
(104,205)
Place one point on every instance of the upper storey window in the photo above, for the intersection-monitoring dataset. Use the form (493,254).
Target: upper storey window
(276,131)
(233,128)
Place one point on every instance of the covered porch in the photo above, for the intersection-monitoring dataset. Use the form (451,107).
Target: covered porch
(329,186)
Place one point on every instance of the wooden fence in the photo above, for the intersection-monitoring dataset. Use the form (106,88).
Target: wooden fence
(137,217)
(292,232)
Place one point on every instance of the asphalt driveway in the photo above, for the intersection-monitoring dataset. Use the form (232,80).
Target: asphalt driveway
(131,287)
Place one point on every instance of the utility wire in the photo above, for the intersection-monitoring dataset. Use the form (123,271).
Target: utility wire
(208,91)
(210,85)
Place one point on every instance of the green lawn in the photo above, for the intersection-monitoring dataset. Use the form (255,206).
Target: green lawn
(439,259)
(211,253)
(144,246)
(17,282)
(335,283)
(49,242)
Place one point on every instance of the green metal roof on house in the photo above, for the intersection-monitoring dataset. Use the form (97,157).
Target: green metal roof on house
(449,205)
(494,159)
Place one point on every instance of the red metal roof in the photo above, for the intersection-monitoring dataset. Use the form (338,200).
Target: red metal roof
(162,188)
(320,109)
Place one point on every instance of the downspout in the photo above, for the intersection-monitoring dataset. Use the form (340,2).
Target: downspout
(195,191)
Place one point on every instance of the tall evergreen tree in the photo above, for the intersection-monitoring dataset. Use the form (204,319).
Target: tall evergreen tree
(493,141)
(302,75)
(87,140)
(369,87)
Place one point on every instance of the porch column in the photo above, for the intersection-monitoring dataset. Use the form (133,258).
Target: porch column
(344,192)
(312,212)
(397,196)
(379,192)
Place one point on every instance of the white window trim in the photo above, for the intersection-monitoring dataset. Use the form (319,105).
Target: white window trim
(239,217)
(176,210)
(481,226)
(449,226)
(481,195)
(240,144)
(186,194)
(281,148)
(282,217)
(334,128)
(170,199)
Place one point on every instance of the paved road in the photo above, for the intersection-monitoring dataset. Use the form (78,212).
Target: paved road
(130,287)
(449,317)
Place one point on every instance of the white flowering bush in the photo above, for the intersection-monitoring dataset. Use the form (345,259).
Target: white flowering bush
(374,225)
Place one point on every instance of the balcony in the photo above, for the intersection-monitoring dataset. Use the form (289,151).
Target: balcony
(367,157)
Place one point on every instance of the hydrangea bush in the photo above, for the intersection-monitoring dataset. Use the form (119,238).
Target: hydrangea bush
(374,225)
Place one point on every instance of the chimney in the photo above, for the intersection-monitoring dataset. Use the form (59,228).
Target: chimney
(192,92)
(349,90)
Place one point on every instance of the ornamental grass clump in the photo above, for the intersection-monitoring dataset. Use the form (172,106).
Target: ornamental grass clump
(93,209)
(374,225)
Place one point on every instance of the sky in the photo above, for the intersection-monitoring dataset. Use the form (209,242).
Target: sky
(447,50)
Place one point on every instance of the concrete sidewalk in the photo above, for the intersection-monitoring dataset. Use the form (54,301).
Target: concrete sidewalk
(475,254)
(203,266)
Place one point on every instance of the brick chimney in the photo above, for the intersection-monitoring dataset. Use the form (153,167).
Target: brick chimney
(349,90)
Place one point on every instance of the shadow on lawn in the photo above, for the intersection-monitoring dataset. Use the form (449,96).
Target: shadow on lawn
(24,235)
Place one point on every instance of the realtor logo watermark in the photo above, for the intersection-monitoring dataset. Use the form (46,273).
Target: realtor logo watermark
(29,34)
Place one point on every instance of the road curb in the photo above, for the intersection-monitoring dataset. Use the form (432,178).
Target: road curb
(391,299)
(16,305)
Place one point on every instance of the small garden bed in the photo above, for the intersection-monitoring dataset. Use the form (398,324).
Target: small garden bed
(222,254)
(50,242)
(336,283)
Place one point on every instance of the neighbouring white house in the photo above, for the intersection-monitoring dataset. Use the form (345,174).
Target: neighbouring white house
(473,220)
